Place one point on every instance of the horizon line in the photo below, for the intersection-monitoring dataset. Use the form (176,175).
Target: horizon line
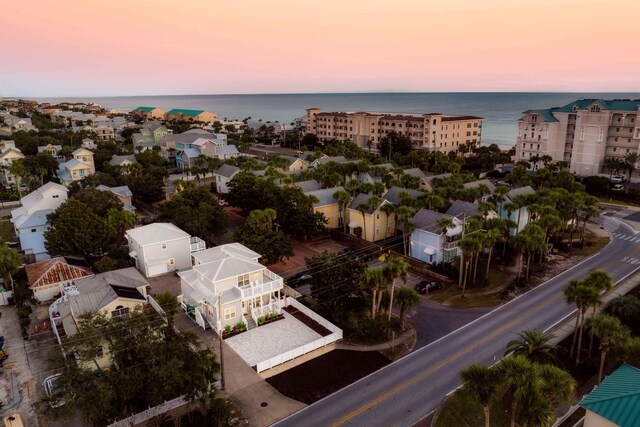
(311,93)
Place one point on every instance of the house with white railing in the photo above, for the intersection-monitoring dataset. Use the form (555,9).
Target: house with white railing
(432,242)
(227,286)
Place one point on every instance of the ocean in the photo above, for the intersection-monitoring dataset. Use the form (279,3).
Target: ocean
(501,110)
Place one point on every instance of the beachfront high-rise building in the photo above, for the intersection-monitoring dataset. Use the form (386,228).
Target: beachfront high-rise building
(435,132)
(583,133)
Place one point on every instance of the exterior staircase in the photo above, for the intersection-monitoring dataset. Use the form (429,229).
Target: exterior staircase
(251,324)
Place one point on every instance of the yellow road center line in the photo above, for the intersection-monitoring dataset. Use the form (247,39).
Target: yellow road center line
(443,363)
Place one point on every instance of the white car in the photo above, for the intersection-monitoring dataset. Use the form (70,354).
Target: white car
(49,385)
(617,187)
(617,179)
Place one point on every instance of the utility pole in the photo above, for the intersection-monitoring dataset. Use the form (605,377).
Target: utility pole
(221,346)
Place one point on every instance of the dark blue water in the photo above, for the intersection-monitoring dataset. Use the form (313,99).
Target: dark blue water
(500,110)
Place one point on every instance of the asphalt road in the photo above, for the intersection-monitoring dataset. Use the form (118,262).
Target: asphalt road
(403,392)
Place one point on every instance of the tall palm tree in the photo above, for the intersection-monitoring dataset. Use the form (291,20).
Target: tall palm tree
(396,268)
(343,198)
(573,295)
(481,383)
(406,298)
(374,203)
(499,195)
(611,332)
(492,236)
(403,216)
(520,377)
(602,282)
(19,171)
(535,345)
(630,162)
(373,280)
(363,208)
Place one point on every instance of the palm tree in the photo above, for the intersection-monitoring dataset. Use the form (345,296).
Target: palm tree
(388,209)
(499,195)
(611,332)
(492,236)
(602,282)
(374,281)
(625,307)
(406,298)
(343,198)
(396,268)
(535,345)
(481,383)
(374,203)
(403,215)
(520,377)
(363,208)
(588,212)
(10,262)
(573,295)
(19,171)
(630,161)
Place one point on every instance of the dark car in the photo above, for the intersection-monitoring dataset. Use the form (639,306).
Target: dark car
(427,286)
(299,279)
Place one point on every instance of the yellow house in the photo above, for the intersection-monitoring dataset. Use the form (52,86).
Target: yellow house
(114,293)
(77,168)
(8,154)
(370,222)
(328,206)
(295,164)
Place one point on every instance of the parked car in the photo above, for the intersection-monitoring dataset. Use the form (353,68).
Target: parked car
(617,179)
(617,187)
(299,279)
(49,385)
(428,286)
(361,256)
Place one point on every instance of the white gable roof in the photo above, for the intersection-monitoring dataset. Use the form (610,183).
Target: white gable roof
(156,232)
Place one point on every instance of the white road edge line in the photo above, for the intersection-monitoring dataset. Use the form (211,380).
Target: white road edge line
(450,333)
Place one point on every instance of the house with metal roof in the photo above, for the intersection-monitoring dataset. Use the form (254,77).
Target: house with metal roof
(182,114)
(397,195)
(519,216)
(161,247)
(114,294)
(123,193)
(432,242)
(227,286)
(616,401)
(30,221)
(123,160)
(149,112)
(223,175)
(370,221)
(77,168)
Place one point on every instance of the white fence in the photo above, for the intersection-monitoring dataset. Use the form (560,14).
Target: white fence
(155,305)
(13,204)
(336,334)
(143,416)
(4,297)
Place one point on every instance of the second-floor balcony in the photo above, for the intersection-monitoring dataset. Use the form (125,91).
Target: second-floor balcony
(450,245)
(197,244)
(269,282)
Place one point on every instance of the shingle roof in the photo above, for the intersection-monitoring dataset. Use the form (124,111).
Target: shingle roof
(118,160)
(426,220)
(363,199)
(227,171)
(393,195)
(479,182)
(122,191)
(229,149)
(617,398)
(521,191)
(324,196)
(415,172)
(336,159)
(156,232)
(459,208)
(430,178)
(310,185)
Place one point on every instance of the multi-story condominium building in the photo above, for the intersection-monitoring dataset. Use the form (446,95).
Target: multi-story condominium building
(583,133)
(435,132)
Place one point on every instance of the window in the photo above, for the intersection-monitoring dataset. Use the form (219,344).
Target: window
(56,196)
(618,129)
(164,246)
(120,311)
(243,280)
(229,313)
(33,230)
(595,108)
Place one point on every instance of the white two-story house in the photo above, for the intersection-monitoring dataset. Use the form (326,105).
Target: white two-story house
(432,242)
(30,220)
(161,247)
(227,286)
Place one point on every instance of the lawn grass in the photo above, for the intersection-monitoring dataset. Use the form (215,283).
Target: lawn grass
(473,297)
(591,246)
(6,231)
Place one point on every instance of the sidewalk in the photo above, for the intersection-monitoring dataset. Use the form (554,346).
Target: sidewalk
(377,347)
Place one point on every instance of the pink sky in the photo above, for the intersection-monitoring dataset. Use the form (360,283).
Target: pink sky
(147,47)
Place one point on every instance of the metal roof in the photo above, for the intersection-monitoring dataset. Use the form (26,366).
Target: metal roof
(156,232)
(617,398)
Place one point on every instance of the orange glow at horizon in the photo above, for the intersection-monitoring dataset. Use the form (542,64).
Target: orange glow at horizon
(123,47)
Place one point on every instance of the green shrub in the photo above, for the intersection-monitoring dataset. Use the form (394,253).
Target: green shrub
(241,326)
(227,329)
(260,320)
